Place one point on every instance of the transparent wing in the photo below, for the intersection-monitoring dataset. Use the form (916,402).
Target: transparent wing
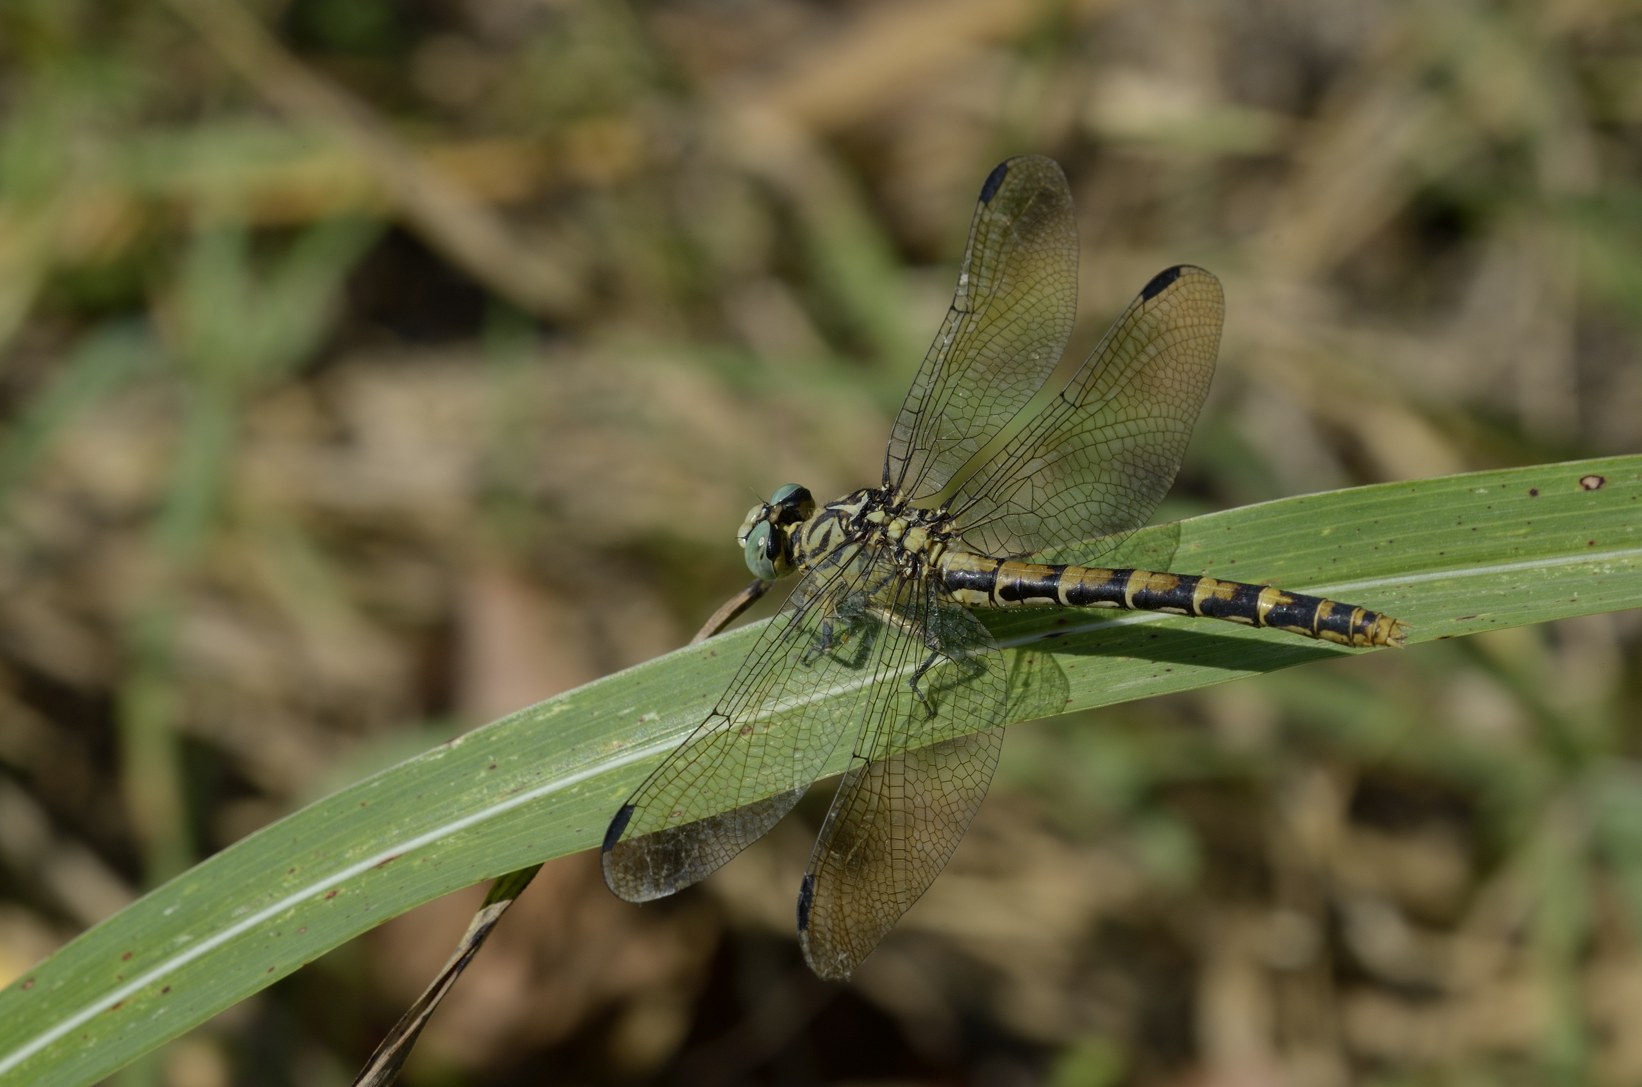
(1100,457)
(836,662)
(921,768)
(747,764)
(1010,319)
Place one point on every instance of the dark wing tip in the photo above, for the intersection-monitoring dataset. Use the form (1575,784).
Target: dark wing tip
(806,895)
(1160,282)
(993,181)
(617,825)
(829,961)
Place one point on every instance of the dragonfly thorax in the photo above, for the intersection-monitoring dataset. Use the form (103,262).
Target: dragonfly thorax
(789,533)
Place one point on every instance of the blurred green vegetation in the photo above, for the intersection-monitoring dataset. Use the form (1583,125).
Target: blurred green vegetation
(369,369)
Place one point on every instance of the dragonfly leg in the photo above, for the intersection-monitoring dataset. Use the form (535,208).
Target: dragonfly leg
(966,667)
(918,674)
(953,643)
(850,621)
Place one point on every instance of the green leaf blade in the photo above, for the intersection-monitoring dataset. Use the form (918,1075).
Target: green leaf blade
(1450,556)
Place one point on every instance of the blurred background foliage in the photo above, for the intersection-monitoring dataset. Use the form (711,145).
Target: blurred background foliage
(369,369)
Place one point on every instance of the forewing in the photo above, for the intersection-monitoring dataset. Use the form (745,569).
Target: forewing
(805,684)
(1010,319)
(1098,459)
(919,772)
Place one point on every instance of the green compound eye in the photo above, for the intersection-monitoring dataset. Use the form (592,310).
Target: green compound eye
(791,504)
(766,534)
(785,492)
(760,555)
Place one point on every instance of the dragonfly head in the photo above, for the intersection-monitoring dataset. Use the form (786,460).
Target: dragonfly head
(767,534)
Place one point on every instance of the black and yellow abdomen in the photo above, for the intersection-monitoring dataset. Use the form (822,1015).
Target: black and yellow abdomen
(981,582)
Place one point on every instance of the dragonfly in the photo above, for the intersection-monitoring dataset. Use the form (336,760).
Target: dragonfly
(878,643)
